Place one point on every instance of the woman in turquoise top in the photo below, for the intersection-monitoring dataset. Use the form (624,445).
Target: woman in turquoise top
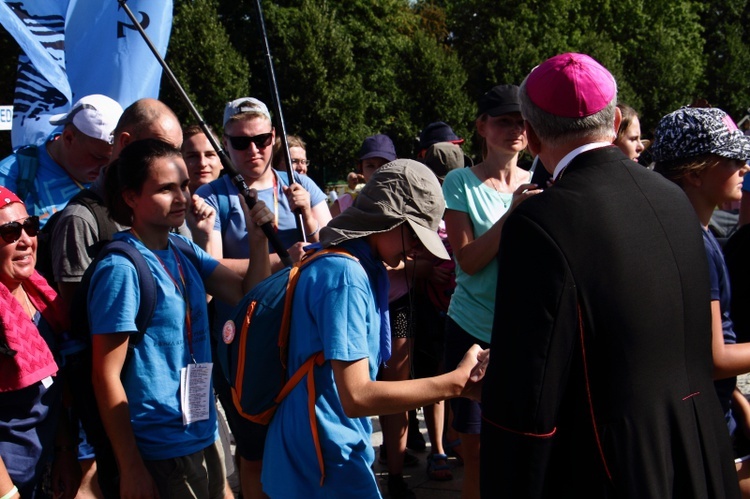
(478,200)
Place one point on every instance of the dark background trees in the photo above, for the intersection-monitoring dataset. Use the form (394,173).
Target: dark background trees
(348,69)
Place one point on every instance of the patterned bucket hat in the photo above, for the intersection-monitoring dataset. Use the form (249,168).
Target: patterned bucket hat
(695,131)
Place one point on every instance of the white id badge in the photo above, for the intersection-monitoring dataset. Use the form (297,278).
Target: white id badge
(195,391)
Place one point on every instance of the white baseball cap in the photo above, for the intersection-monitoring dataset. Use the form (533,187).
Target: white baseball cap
(95,115)
(245,105)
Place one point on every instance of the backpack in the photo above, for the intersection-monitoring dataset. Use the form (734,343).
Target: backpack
(76,350)
(27,158)
(254,360)
(106,228)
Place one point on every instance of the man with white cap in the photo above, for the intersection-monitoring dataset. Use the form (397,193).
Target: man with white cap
(47,176)
(249,136)
(600,381)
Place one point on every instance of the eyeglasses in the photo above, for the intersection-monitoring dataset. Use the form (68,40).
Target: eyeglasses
(242,142)
(11,232)
(301,162)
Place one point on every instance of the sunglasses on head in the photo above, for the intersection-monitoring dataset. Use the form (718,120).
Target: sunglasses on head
(242,142)
(11,232)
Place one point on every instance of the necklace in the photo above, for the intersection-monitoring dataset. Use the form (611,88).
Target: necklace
(496,188)
(30,310)
(490,178)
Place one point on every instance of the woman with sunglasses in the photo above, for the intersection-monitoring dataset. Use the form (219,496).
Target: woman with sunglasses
(155,401)
(31,318)
(248,138)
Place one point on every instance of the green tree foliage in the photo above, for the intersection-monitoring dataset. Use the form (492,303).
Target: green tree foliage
(319,86)
(349,69)
(727,55)
(654,48)
(204,61)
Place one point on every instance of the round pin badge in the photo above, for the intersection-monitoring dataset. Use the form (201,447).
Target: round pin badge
(227,333)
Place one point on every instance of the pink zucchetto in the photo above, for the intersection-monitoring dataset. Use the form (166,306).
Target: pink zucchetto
(571,86)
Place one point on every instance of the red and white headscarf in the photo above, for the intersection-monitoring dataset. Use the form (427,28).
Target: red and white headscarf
(7,197)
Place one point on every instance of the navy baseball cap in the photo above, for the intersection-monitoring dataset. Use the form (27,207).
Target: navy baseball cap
(377,146)
(437,132)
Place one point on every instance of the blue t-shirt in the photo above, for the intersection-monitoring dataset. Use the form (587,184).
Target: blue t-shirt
(152,375)
(473,302)
(334,311)
(52,188)
(721,291)
(235,242)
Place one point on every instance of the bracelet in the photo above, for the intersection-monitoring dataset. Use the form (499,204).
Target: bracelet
(10,493)
(317,229)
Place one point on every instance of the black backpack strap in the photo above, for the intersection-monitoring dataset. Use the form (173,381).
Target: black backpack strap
(146,281)
(106,227)
(27,158)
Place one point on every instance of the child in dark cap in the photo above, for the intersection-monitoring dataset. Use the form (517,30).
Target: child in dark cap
(376,151)
(702,151)
(439,132)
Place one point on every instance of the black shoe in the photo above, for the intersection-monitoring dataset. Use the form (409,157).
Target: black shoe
(414,438)
(410,460)
(398,489)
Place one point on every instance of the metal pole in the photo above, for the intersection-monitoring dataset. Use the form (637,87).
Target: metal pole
(237,179)
(276,101)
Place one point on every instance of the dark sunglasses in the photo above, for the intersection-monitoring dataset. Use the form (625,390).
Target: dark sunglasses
(11,232)
(243,142)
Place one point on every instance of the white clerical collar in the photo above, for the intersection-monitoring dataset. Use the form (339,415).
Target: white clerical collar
(575,152)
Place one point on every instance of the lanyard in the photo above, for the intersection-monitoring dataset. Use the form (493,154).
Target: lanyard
(183,291)
(275,202)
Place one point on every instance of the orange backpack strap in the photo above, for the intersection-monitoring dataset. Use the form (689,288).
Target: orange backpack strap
(286,321)
(316,359)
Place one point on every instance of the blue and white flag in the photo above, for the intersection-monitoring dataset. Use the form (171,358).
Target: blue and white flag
(42,87)
(74,48)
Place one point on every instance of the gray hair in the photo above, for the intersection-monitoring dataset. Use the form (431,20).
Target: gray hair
(556,130)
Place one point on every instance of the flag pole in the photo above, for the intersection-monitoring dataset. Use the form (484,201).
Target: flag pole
(276,101)
(226,162)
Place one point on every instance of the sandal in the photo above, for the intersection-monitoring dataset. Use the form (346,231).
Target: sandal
(436,471)
(451,451)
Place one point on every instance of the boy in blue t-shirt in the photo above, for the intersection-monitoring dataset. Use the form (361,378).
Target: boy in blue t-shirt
(340,307)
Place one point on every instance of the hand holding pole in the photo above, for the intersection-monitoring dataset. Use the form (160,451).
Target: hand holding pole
(237,179)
